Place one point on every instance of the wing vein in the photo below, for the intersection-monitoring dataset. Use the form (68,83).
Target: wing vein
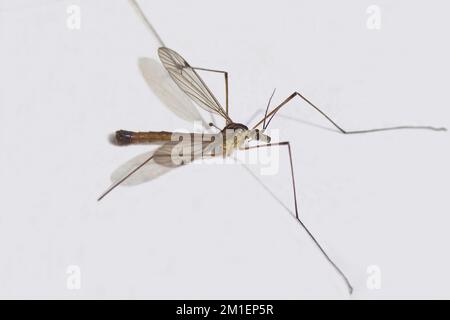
(190,82)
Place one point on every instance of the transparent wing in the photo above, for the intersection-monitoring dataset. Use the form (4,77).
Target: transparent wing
(162,85)
(171,155)
(149,171)
(190,82)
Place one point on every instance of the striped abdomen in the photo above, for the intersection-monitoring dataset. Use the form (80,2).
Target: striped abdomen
(124,137)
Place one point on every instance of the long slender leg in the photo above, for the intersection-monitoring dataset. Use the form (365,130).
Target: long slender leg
(226,82)
(253,116)
(147,23)
(124,178)
(262,110)
(129,174)
(286,143)
(271,114)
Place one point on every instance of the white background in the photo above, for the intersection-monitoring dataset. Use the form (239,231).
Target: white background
(212,231)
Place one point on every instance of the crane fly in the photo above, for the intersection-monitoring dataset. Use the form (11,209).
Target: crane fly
(178,149)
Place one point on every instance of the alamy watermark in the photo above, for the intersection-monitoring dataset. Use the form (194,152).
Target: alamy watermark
(373,21)
(373,281)
(218,148)
(73,281)
(73,21)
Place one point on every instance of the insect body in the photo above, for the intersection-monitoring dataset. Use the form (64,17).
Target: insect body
(177,149)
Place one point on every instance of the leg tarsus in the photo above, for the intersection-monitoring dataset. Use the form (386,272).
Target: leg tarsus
(338,270)
(271,114)
(225,74)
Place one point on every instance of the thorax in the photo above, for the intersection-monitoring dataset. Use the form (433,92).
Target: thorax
(234,136)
